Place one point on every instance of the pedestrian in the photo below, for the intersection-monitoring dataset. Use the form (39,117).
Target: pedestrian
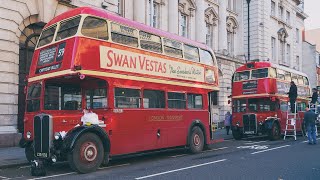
(292,96)
(310,124)
(314,97)
(227,121)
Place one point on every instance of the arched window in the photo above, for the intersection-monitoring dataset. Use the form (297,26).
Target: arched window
(211,18)
(232,25)
(186,12)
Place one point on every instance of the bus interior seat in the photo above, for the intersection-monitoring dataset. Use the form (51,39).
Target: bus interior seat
(71,105)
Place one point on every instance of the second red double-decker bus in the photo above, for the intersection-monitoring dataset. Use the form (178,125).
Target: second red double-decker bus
(150,90)
(260,100)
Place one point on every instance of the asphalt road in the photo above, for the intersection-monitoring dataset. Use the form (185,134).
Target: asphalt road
(254,158)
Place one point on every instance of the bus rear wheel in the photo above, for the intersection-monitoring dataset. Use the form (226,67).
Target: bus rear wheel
(237,135)
(196,140)
(275,132)
(87,154)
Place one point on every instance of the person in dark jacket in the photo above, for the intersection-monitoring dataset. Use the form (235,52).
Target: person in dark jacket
(314,97)
(292,95)
(310,123)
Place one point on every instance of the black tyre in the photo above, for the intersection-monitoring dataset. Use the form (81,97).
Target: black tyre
(237,135)
(196,140)
(29,152)
(275,133)
(87,154)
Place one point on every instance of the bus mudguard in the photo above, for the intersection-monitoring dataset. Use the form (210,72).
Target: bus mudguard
(73,135)
(197,122)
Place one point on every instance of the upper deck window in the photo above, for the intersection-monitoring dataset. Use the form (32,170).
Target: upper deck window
(47,36)
(242,76)
(306,81)
(68,28)
(150,42)
(124,35)
(300,80)
(287,76)
(280,74)
(172,48)
(206,57)
(259,73)
(272,72)
(294,78)
(95,28)
(191,53)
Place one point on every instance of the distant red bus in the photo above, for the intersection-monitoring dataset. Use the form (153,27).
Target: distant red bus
(259,99)
(150,89)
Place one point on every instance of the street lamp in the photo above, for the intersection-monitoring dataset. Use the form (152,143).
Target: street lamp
(248,2)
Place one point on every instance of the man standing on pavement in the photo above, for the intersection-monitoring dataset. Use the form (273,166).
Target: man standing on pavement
(314,97)
(309,122)
(227,121)
(293,95)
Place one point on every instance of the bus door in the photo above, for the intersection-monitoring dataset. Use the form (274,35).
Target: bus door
(212,125)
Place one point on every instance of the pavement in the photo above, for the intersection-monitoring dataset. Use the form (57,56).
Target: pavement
(14,156)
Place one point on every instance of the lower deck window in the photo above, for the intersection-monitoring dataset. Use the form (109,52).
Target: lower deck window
(176,100)
(127,98)
(62,97)
(96,98)
(153,99)
(195,101)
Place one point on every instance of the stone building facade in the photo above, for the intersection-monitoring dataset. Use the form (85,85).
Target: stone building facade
(221,24)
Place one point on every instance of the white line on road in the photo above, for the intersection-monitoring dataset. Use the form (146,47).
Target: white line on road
(179,155)
(270,149)
(3,177)
(181,169)
(57,175)
(120,165)
(216,149)
(255,142)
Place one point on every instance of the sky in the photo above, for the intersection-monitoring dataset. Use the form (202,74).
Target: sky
(311,7)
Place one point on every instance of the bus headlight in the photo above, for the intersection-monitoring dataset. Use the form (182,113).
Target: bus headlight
(57,136)
(28,135)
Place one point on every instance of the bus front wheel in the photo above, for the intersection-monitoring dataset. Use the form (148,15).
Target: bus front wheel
(237,135)
(87,154)
(196,140)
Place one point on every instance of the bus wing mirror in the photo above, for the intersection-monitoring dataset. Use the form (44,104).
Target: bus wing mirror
(229,101)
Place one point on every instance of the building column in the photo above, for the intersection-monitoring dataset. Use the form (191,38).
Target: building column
(222,25)
(139,11)
(200,22)
(173,16)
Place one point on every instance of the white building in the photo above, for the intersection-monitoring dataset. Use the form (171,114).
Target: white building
(275,35)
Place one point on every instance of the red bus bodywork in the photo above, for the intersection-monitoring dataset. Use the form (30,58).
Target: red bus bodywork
(265,100)
(88,61)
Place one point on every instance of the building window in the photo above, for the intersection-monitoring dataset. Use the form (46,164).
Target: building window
(297,35)
(155,15)
(288,53)
(281,12)
(230,41)
(183,25)
(273,8)
(120,7)
(273,48)
(209,32)
(298,62)
(281,52)
(288,17)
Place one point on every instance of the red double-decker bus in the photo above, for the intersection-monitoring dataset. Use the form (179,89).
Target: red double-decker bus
(150,89)
(260,100)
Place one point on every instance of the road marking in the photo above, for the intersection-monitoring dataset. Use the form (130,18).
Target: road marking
(216,149)
(57,175)
(22,167)
(255,142)
(256,147)
(270,149)
(4,177)
(120,165)
(179,155)
(308,140)
(181,169)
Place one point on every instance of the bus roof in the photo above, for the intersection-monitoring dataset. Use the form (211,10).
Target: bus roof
(258,65)
(122,20)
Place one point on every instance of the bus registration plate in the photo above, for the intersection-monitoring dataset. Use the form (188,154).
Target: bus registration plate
(249,132)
